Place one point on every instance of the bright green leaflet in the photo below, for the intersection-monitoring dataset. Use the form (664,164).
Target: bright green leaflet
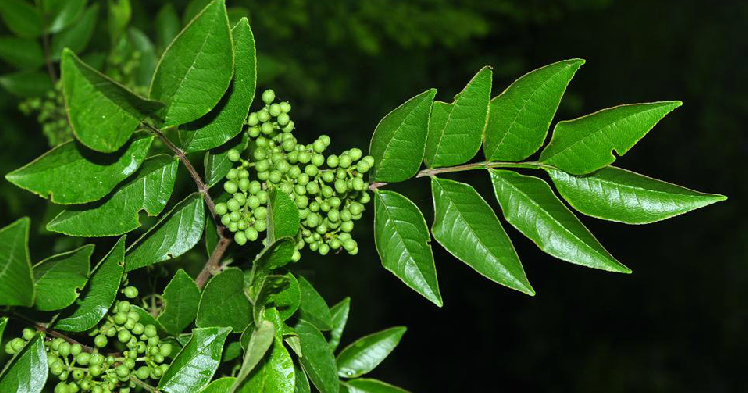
(232,351)
(455,138)
(288,300)
(196,363)
(530,206)
(148,191)
(466,226)
(21,18)
(318,361)
(196,68)
(276,255)
(60,278)
(147,319)
(402,241)
(100,292)
(283,219)
(586,144)
(167,25)
(520,116)
(181,301)
(616,194)
(57,174)
(339,319)
(217,163)
(313,307)
(371,386)
(148,57)
(65,13)
(368,352)
(301,385)
(26,84)
(174,235)
(103,114)
(226,120)
(275,374)
(21,53)
(220,385)
(28,371)
(77,37)
(16,280)
(259,343)
(224,303)
(399,140)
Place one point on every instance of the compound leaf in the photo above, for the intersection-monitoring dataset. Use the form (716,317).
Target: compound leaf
(366,353)
(16,279)
(339,319)
(27,372)
(586,144)
(520,116)
(530,206)
(224,302)
(181,302)
(456,132)
(174,235)
(70,174)
(402,241)
(60,278)
(196,363)
(318,361)
(313,307)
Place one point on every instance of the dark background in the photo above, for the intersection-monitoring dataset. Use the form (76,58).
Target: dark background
(677,324)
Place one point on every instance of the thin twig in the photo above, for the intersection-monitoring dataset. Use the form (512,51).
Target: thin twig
(49,332)
(48,59)
(213,262)
(144,385)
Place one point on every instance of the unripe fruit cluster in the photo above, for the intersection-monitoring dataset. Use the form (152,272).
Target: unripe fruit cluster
(50,113)
(329,190)
(143,356)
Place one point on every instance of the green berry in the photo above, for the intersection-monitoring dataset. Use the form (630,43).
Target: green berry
(311,170)
(64,349)
(240,238)
(260,225)
(142,373)
(253,132)
(358,184)
(289,127)
(346,226)
(263,116)
(267,128)
(138,329)
(332,161)
(100,341)
(150,331)
(304,157)
(122,371)
(355,154)
(123,336)
(221,209)
(318,146)
(344,160)
(312,188)
(340,186)
(75,349)
(325,139)
(83,358)
(274,110)
(77,374)
(252,119)
(244,184)
(356,208)
(230,187)
(283,119)
(28,334)
(233,155)
(261,213)
(349,245)
(17,345)
(268,96)
(328,176)
(318,160)
(232,174)
(285,107)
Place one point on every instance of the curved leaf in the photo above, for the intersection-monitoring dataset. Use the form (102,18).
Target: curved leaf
(259,342)
(301,383)
(220,385)
(16,280)
(217,163)
(318,361)
(468,228)
(174,235)
(313,307)
(101,292)
(64,12)
(530,206)
(148,58)
(27,372)
(224,302)
(456,131)
(339,319)
(196,363)
(586,144)
(181,301)
(21,18)
(70,174)
(22,53)
(402,241)
(367,352)
(59,278)
(288,300)
(283,219)
(273,375)
(196,69)
(27,84)
(399,140)
(77,36)
(364,385)
(520,116)
(149,190)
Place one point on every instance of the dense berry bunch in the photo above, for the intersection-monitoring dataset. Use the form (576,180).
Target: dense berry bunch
(329,191)
(50,113)
(137,351)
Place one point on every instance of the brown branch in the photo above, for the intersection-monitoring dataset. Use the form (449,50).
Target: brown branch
(213,262)
(48,59)
(52,333)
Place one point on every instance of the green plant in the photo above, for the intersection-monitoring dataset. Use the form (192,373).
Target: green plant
(246,320)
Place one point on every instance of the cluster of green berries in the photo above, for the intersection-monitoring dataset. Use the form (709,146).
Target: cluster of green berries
(329,191)
(77,370)
(122,64)
(50,113)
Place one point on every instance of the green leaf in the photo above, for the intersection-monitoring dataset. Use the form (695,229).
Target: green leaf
(466,226)
(367,352)
(77,36)
(21,18)
(275,374)
(371,386)
(26,84)
(16,279)
(181,300)
(318,361)
(196,363)
(586,144)
(102,113)
(21,53)
(119,17)
(3,324)
(301,383)
(167,25)
(148,58)
(402,241)
(146,318)
(259,343)
(220,385)
(520,116)
(313,307)
(616,194)
(288,300)
(224,303)
(100,293)
(196,68)
(456,131)
(64,13)
(530,206)
(226,120)
(193,8)
(283,219)
(399,140)
(27,372)
(217,163)
(59,278)
(148,191)
(70,174)
(211,235)
(339,319)
(175,234)
(276,255)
